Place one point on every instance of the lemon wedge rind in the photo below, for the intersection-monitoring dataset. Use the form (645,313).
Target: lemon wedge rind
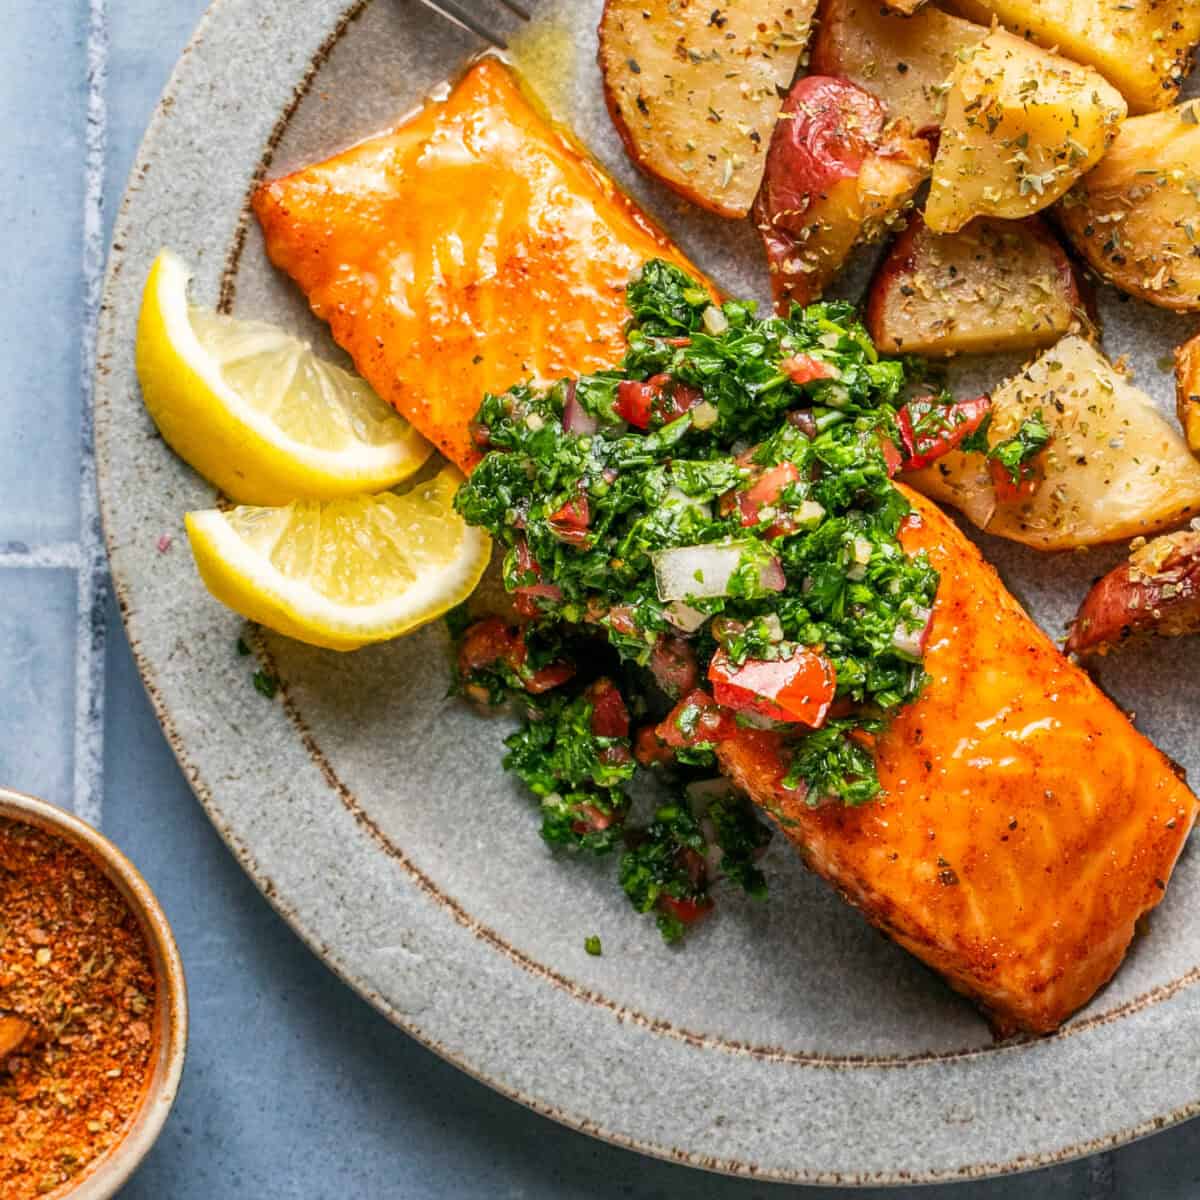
(239,447)
(245,577)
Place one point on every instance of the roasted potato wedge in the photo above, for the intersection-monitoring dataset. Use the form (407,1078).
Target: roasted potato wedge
(1156,591)
(1187,391)
(993,286)
(1136,217)
(694,89)
(905,8)
(836,175)
(905,61)
(1142,47)
(1114,467)
(1021,126)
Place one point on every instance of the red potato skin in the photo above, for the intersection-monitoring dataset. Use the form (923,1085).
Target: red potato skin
(1157,591)
(902,263)
(809,211)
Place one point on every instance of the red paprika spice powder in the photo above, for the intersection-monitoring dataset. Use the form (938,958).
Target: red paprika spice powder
(77,1002)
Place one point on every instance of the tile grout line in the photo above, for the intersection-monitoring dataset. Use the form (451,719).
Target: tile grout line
(91,578)
(47,556)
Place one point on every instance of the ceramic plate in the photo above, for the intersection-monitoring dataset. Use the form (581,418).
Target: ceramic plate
(787,1040)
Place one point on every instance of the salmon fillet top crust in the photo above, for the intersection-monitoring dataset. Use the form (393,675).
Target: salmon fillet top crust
(469,249)
(1025,825)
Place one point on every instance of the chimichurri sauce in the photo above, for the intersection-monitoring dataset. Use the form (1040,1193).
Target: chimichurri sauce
(703,539)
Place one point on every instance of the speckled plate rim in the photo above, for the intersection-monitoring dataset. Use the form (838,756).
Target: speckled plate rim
(780,1119)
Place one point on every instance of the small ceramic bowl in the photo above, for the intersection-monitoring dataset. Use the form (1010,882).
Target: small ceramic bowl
(109,1172)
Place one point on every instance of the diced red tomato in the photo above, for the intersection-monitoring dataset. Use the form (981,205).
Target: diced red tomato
(804,368)
(891,456)
(616,755)
(635,402)
(673,665)
(590,819)
(687,911)
(799,688)
(929,429)
(527,594)
(765,491)
(546,678)
(491,641)
(650,750)
(486,643)
(570,522)
(696,718)
(660,396)
(1009,490)
(610,717)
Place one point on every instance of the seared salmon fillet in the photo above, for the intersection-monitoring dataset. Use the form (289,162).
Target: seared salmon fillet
(472,247)
(1025,825)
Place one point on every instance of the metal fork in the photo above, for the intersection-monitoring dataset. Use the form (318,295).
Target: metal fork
(456,13)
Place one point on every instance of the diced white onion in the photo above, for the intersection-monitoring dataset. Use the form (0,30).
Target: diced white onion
(684,617)
(772,576)
(534,421)
(704,415)
(808,512)
(861,550)
(774,626)
(715,321)
(706,570)
(908,641)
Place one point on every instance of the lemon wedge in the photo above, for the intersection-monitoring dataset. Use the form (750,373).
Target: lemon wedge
(343,573)
(255,411)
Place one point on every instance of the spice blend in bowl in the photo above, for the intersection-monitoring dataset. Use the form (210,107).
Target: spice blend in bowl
(86,1035)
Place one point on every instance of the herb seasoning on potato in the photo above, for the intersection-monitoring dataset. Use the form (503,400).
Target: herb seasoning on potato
(1021,126)
(991,287)
(1142,47)
(694,89)
(77,999)
(1136,216)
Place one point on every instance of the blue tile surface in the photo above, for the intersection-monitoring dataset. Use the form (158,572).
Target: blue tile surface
(37,681)
(294,1087)
(145,38)
(43,89)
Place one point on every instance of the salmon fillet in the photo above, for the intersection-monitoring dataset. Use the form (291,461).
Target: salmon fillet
(1025,825)
(472,247)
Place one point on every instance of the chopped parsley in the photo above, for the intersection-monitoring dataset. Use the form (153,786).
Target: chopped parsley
(757,453)
(592,946)
(265,684)
(657,869)
(1013,453)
